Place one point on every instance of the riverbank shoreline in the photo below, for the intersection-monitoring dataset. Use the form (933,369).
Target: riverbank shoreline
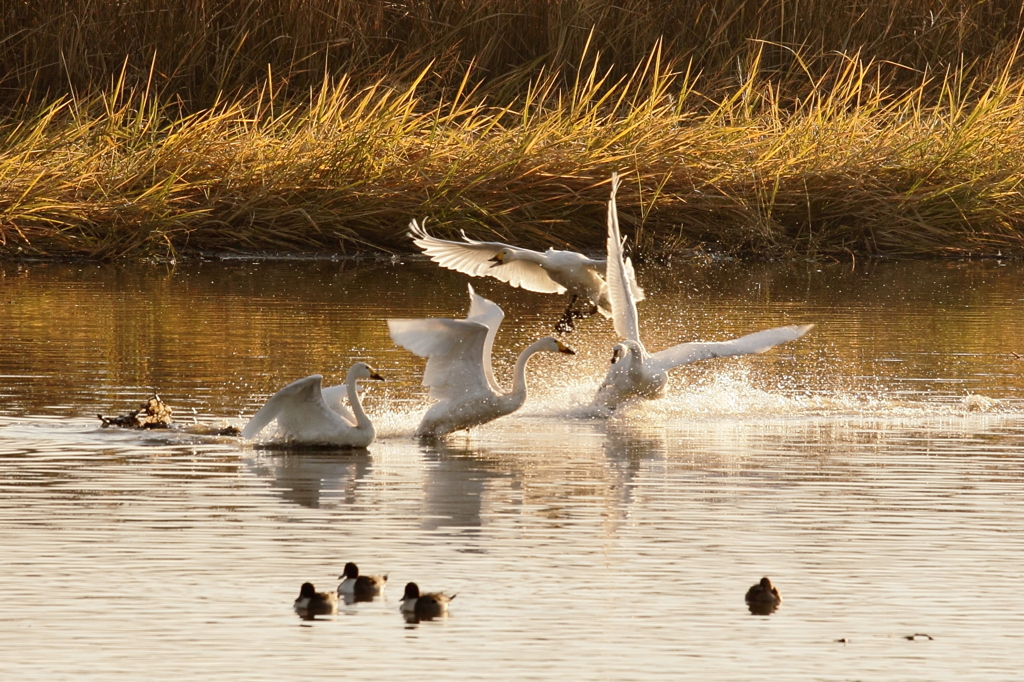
(762,150)
(349,172)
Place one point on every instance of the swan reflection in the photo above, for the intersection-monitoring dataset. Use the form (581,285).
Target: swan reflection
(305,477)
(455,483)
(626,447)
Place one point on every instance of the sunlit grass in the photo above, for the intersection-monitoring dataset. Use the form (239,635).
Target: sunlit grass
(849,168)
(200,51)
(776,127)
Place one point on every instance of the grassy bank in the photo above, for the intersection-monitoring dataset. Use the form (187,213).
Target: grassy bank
(778,148)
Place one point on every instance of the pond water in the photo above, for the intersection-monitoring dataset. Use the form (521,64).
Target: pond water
(852,467)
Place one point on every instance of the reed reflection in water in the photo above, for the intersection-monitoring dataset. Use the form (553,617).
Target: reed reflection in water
(846,467)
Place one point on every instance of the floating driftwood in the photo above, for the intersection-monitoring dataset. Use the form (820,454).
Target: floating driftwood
(152,414)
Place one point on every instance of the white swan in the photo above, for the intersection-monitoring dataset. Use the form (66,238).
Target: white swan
(634,371)
(458,368)
(550,272)
(307,414)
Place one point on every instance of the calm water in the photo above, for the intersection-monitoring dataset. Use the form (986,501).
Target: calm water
(846,466)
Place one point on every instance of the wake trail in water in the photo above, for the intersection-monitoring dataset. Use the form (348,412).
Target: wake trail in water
(734,395)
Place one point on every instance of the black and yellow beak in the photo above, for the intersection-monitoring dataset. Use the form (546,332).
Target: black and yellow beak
(562,348)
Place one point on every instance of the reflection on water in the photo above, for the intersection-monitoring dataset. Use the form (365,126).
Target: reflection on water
(456,480)
(314,477)
(218,338)
(854,467)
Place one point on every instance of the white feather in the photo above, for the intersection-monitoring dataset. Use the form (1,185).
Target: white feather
(458,370)
(305,417)
(636,373)
(548,272)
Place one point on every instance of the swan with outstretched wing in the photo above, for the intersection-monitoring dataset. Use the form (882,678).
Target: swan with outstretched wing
(634,372)
(308,414)
(458,370)
(546,272)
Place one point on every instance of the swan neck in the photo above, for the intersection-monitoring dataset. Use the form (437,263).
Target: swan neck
(362,421)
(519,374)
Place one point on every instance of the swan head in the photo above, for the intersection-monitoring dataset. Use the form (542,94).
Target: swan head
(553,345)
(624,349)
(361,370)
(618,352)
(502,257)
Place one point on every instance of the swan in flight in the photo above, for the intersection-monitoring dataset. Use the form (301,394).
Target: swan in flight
(307,414)
(634,371)
(548,272)
(458,368)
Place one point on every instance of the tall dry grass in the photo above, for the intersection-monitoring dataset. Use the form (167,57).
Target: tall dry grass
(770,128)
(198,50)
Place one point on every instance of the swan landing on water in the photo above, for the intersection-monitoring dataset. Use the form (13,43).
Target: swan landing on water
(548,272)
(635,373)
(458,369)
(307,414)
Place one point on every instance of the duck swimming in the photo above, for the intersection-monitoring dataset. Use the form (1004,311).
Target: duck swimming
(763,598)
(357,587)
(312,603)
(424,606)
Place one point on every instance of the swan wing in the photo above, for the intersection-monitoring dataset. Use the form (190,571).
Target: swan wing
(598,266)
(473,258)
(758,342)
(634,288)
(619,276)
(454,350)
(527,275)
(334,398)
(490,314)
(299,405)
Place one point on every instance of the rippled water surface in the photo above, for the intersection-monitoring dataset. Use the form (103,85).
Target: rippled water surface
(873,469)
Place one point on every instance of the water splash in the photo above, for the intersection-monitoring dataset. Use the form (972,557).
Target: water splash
(741,393)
